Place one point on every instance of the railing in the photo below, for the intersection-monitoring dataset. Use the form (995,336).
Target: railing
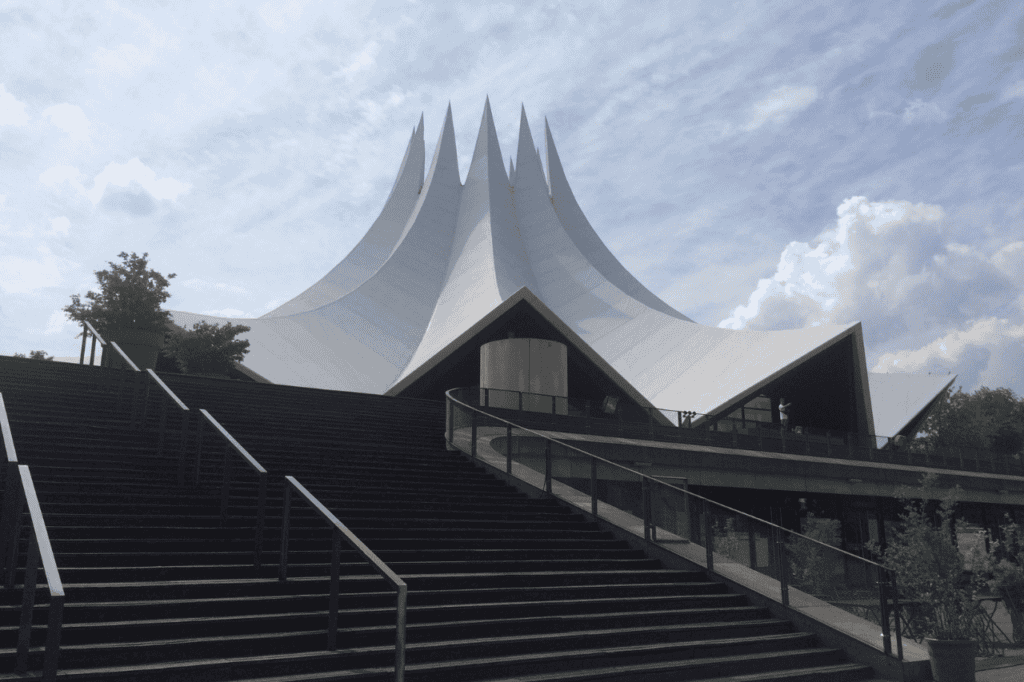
(803,571)
(340,532)
(635,421)
(87,328)
(261,473)
(16,498)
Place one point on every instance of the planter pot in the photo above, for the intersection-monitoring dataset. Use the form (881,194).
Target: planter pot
(141,345)
(952,660)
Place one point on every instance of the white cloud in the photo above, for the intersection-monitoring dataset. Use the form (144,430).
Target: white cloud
(862,263)
(12,112)
(923,112)
(19,275)
(781,103)
(71,119)
(55,175)
(1013,91)
(58,323)
(60,225)
(124,60)
(951,350)
(281,16)
(123,174)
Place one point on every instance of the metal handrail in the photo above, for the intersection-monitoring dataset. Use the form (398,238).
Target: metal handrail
(39,550)
(86,329)
(261,505)
(646,486)
(168,397)
(340,531)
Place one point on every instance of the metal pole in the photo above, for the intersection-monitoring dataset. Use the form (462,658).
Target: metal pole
(11,550)
(282,572)
(261,516)
(508,449)
(53,631)
(85,334)
(547,466)
(593,486)
(472,417)
(400,602)
(92,352)
(28,600)
(783,567)
(225,491)
(332,614)
(883,610)
(709,537)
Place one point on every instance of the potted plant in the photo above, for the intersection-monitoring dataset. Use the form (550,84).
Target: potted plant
(933,580)
(127,309)
(1007,568)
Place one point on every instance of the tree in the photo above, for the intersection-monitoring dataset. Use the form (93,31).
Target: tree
(990,419)
(130,296)
(35,355)
(208,348)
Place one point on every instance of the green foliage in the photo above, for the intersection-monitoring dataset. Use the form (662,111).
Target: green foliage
(130,296)
(989,419)
(811,565)
(208,348)
(930,569)
(35,355)
(1007,566)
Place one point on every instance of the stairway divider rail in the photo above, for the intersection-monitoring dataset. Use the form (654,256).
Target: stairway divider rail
(784,546)
(261,473)
(341,532)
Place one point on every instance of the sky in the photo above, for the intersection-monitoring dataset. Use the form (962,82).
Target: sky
(758,165)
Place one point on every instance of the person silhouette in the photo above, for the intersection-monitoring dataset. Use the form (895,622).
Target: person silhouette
(784,413)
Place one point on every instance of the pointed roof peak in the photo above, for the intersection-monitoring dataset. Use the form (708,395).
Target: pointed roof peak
(487,151)
(419,128)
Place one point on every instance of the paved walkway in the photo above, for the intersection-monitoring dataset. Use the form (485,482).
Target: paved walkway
(1011,673)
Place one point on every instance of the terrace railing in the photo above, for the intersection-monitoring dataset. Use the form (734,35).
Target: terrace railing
(633,421)
(793,569)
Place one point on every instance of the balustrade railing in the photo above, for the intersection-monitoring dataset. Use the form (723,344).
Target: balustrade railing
(795,570)
(341,532)
(627,420)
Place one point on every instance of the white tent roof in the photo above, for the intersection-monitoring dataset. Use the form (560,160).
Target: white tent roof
(442,255)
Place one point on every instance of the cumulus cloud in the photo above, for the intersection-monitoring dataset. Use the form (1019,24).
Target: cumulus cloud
(60,225)
(12,112)
(123,174)
(1013,91)
(926,302)
(923,112)
(71,119)
(780,104)
(23,275)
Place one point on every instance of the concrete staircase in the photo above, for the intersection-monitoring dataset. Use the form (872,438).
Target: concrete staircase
(160,586)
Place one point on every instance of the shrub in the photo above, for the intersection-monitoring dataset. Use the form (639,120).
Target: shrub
(207,348)
(35,355)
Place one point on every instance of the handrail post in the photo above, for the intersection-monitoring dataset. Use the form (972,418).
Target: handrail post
(709,537)
(261,516)
(472,419)
(85,336)
(508,449)
(54,624)
(593,486)
(92,351)
(28,601)
(400,618)
(282,572)
(783,567)
(332,613)
(8,521)
(225,492)
(547,466)
(14,534)
(645,501)
(200,427)
(883,610)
